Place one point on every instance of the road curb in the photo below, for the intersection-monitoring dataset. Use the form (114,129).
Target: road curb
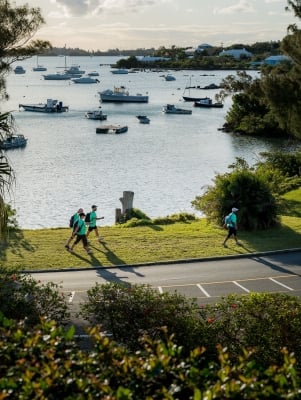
(179,261)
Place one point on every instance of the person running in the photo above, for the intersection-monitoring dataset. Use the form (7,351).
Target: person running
(75,218)
(232,227)
(80,232)
(92,223)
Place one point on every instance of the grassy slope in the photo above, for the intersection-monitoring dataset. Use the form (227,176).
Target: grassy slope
(44,249)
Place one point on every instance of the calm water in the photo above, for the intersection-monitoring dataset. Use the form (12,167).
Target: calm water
(66,165)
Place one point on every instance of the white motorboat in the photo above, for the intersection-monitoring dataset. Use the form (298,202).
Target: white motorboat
(122,95)
(93,73)
(57,77)
(172,109)
(19,70)
(143,119)
(169,77)
(112,129)
(85,79)
(13,142)
(208,103)
(52,106)
(119,71)
(96,115)
(74,70)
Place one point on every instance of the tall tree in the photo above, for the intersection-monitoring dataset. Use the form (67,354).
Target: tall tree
(18,26)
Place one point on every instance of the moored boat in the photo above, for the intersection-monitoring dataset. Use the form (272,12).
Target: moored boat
(172,109)
(115,129)
(57,77)
(208,103)
(122,95)
(85,79)
(169,77)
(13,142)
(39,67)
(93,73)
(96,115)
(143,119)
(52,106)
(120,71)
(74,70)
(19,70)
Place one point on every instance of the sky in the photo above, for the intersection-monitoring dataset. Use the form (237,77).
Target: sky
(133,24)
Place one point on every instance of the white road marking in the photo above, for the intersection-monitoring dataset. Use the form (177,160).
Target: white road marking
(281,284)
(203,290)
(242,287)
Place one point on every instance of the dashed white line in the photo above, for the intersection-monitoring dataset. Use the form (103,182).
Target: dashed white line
(203,290)
(242,287)
(281,284)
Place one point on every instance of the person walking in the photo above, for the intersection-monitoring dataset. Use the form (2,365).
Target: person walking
(73,221)
(80,232)
(92,223)
(232,227)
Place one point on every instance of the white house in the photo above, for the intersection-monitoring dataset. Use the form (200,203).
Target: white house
(275,60)
(202,47)
(236,53)
(152,58)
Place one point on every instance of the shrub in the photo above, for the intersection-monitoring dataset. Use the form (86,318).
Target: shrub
(245,190)
(262,323)
(128,312)
(172,219)
(21,297)
(46,363)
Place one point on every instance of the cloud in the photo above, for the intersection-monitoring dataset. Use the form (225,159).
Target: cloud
(85,7)
(243,6)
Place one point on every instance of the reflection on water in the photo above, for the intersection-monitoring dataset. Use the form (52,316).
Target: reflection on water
(66,165)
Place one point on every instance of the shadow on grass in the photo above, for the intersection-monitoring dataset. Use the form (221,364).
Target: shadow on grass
(109,254)
(292,208)
(16,243)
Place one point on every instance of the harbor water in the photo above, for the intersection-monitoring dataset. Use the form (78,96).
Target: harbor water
(166,163)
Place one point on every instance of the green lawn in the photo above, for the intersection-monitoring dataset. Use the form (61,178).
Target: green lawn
(44,249)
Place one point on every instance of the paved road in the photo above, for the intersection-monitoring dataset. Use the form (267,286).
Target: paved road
(205,280)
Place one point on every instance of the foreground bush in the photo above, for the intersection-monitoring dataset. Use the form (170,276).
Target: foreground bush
(261,323)
(129,312)
(47,364)
(21,297)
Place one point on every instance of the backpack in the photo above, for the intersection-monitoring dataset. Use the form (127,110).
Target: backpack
(228,220)
(71,222)
(88,217)
(75,226)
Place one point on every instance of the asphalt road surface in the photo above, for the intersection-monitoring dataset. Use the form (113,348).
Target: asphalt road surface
(205,280)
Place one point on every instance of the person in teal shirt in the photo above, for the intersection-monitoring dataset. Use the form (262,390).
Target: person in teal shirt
(75,219)
(80,232)
(92,224)
(232,227)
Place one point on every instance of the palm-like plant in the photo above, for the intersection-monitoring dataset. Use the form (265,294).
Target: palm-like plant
(6,172)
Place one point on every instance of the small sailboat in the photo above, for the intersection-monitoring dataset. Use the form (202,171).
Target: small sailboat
(39,67)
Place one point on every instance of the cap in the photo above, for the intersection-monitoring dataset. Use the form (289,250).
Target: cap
(234,209)
(82,214)
(94,206)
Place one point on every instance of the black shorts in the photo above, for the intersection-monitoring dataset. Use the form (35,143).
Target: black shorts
(91,228)
(232,231)
(82,238)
